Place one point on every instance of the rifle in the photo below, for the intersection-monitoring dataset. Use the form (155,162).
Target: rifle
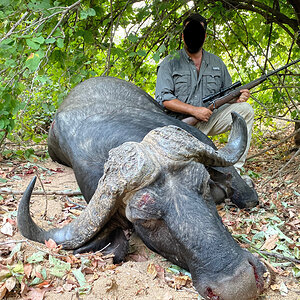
(222,92)
(236,93)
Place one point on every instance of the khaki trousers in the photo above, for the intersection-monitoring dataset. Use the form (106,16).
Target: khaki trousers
(220,122)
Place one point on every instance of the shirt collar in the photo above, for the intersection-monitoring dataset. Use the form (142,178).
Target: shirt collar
(185,55)
(205,57)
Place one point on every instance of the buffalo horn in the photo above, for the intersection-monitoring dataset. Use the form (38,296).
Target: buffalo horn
(179,145)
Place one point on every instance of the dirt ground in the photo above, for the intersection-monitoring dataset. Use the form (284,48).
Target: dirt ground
(144,274)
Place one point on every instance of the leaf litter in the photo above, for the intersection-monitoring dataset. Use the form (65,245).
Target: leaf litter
(29,270)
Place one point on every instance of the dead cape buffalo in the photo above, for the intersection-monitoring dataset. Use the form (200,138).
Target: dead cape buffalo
(137,167)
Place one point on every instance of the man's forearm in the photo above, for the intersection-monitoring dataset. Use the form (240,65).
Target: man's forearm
(200,113)
(179,106)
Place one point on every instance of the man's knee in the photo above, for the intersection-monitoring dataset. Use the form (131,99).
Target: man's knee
(245,110)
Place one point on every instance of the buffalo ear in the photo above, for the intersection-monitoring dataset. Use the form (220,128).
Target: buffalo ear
(218,176)
(220,185)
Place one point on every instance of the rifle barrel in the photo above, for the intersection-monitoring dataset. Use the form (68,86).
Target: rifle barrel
(236,93)
(284,67)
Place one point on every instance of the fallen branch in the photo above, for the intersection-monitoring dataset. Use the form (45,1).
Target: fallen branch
(7,191)
(266,253)
(37,173)
(279,171)
(77,205)
(12,242)
(280,256)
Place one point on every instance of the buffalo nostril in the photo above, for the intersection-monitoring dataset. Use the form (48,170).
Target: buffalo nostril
(211,295)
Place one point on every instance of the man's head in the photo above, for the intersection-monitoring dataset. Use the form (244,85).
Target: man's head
(194,32)
(196,17)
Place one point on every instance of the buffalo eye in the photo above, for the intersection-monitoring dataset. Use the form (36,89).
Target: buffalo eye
(145,200)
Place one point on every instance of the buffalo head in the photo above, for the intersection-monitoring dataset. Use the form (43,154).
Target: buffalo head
(163,188)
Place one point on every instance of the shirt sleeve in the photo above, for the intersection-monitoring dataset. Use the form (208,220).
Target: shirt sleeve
(165,87)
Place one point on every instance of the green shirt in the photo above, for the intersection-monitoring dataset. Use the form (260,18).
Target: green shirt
(177,78)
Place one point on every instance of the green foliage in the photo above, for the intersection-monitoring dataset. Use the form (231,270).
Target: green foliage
(33,272)
(177,270)
(281,243)
(59,268)
(47,47)
(36,257)
(25,154)
(253,174)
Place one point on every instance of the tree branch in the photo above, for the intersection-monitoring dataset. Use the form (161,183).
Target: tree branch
(274,146)
(279,171)
(296,6)
(270,14)
(62,17)
(14,27)
(266,11)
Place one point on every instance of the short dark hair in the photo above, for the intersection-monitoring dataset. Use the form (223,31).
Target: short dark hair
(196,17)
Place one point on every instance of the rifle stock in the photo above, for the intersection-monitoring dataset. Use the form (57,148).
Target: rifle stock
(237,92)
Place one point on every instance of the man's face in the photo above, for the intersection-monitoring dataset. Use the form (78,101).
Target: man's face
(193,36)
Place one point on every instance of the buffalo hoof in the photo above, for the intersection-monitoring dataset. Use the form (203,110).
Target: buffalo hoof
(114,243)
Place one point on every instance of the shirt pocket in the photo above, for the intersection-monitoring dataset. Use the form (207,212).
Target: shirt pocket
(182,83)
(212,82)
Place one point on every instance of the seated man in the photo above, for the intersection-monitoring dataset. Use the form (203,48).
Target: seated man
(184,79)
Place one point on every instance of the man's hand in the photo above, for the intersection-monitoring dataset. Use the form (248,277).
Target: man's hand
(202,113)
(245,94)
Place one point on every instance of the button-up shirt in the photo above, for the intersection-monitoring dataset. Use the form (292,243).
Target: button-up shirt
(177,78)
